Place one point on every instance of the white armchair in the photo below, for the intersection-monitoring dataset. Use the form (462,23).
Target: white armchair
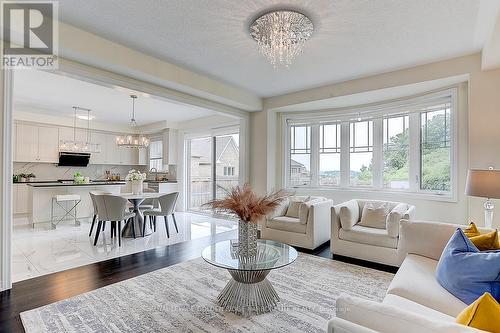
(300,221)
(369,229)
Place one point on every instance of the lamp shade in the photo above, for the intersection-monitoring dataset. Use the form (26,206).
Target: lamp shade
(483,183)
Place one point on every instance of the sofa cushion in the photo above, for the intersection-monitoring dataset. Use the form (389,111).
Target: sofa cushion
(416,281)
(370,236)
(466,272)
(389,319)
(286,223)
(487,241)
(406,304)
(349,214)
(294,206)
(374,215)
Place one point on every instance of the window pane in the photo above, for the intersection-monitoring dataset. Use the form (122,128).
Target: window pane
(396,150)
(329,156)
(300,155)
(435,147)
(156,163)
(156,149)
(361,153)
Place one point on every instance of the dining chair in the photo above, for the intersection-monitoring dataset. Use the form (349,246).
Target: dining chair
(149,203)
(112,208)
(94,204)
(167,207)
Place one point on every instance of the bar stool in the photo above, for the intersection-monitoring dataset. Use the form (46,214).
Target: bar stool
(59,200)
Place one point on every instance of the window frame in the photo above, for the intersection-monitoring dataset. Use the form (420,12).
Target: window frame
(413,107)
(152,140)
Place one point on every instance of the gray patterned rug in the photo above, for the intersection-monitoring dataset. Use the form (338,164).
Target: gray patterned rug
(181,298)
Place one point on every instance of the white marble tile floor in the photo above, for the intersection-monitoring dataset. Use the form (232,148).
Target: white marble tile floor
(41,251)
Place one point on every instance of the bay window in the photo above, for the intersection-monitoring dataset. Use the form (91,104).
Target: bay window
(408,147)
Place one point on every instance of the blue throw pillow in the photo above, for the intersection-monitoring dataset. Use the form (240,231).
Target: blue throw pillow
(466,272)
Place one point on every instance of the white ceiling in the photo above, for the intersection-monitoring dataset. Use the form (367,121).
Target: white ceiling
(353,38)
(54,94)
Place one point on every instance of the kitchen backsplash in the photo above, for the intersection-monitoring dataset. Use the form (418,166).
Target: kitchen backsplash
(47,171)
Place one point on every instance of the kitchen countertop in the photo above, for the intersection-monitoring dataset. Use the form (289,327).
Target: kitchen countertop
(160,181)
(57,184)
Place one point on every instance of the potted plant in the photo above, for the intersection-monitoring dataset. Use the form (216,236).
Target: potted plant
(250,208)
(78,178)
(31,177)
(22,177)
(136,179)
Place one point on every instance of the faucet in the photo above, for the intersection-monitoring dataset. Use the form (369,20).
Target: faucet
(155,171)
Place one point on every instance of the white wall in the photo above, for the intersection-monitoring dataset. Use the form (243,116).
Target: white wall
(479,138)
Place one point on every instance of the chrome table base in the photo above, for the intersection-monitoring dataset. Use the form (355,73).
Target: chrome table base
(248,292)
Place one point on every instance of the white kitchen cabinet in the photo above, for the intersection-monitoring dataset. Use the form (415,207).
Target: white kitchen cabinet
(26,149)
(21,198)
(67,133)
(128,156)
(99,158)
(142,157)
(170,147)
(48,144)
(168,187)
(36,143)
(112,150)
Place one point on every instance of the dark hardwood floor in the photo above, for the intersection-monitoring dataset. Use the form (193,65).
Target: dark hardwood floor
(43,290)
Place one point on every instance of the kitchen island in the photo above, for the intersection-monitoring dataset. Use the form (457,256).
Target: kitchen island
(41,194)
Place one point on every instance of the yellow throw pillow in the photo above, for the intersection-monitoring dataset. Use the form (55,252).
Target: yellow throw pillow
(488,241)
(483,314)
(471,230)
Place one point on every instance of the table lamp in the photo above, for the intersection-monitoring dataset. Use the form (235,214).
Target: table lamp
(485,184)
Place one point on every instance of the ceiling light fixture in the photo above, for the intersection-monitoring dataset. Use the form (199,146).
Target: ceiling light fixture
(281,35)
(133,140)
(75,145)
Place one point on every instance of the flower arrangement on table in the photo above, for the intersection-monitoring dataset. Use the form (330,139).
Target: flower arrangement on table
(250,208)
(135,175)
(136,178)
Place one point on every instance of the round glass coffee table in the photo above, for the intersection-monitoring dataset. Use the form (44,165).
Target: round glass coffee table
(249,292)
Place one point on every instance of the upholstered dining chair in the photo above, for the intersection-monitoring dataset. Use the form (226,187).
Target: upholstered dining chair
(94,205)
(167,207)
(149,203)
(112,208)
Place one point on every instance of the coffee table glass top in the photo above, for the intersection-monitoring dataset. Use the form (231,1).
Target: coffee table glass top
(270,255)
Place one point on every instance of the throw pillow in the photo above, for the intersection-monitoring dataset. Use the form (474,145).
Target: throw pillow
(294,207)
(486,242)
(466,272)
(483,314)
(349,214)
(471,230)
(374,215)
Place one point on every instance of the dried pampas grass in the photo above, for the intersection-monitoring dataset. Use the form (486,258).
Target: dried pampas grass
(246,204)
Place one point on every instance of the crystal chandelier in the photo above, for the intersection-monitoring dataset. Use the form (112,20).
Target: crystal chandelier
(281,35)
(133,140)
(75,145)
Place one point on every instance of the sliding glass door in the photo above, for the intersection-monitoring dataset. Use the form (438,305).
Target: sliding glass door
(213,168)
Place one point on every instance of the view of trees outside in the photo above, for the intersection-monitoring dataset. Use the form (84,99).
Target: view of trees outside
(435,147)
(396,150)
(329,155)
(361,153)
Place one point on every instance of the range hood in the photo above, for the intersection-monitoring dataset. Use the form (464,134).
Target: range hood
(73,159)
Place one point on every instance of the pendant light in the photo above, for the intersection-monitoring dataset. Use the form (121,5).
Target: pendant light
(75,145)
(137,141)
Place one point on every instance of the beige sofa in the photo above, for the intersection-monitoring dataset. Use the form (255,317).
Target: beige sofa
(309,230)
(415,301)
(372,244)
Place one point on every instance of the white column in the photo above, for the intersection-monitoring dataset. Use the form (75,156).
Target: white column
(6,179)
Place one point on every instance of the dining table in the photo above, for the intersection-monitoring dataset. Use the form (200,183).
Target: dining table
(138,220)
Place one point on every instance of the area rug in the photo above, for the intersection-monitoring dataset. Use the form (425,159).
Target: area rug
(181,298)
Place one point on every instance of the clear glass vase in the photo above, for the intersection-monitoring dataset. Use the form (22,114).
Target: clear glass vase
(247,239)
